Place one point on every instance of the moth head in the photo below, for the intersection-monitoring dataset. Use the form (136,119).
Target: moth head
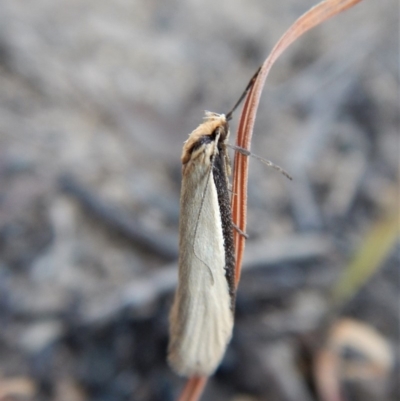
(201,141)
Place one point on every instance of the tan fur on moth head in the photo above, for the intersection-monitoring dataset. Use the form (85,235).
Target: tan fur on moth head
(211,123)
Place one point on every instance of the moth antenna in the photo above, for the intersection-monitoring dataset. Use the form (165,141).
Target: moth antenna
(246,152)
(248,87)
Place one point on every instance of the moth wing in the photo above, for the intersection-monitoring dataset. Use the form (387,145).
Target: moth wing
(201,319)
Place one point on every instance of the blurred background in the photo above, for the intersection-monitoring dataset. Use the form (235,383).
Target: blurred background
(96,100)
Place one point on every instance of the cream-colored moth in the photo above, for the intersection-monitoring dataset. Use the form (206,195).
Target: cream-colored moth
(201,318)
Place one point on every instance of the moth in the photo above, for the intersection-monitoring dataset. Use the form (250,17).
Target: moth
(201,318)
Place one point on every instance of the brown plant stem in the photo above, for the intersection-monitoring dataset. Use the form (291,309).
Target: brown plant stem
(193,389)
(315,16)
